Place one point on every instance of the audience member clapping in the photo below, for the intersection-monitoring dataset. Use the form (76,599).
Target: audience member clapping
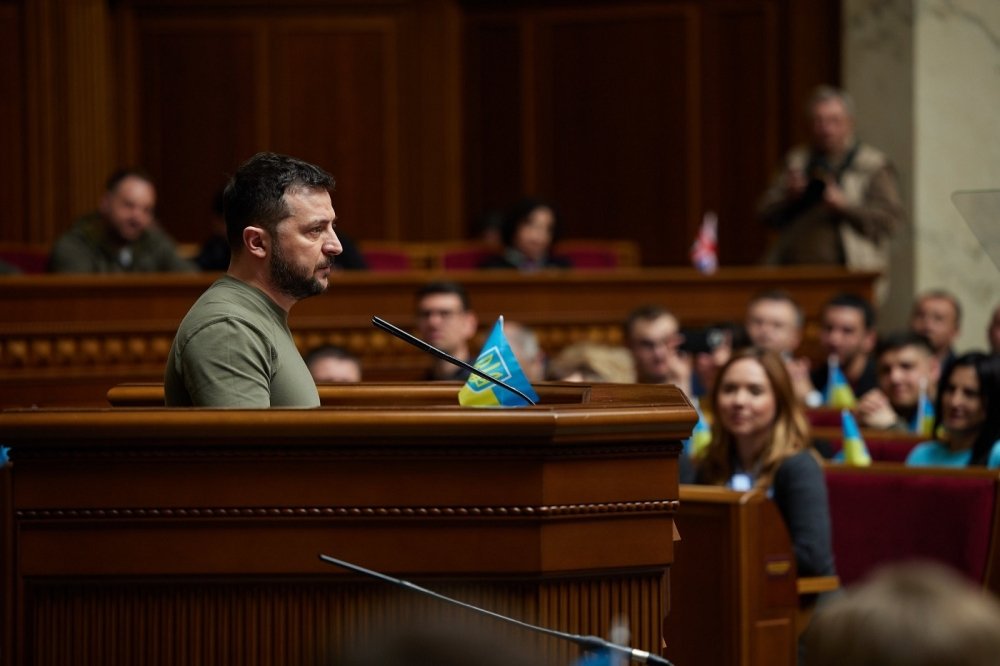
(908,374)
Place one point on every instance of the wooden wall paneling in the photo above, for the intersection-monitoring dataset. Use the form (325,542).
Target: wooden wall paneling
(12,124)
(334,103)
(200,93)
(90,149)
(41,121)
(494,116)
(429,117)
(615,123)
(69,140)
(811,56)
(742,118)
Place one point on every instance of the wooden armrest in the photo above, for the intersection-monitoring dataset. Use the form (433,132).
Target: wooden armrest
(817,584)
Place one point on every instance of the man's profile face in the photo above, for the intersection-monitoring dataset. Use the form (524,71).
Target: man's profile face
(832,126)
(444,323)
(935,319)
(304,245)
(843,333)
(901,373)
(129,208)
(652,342)
(774,325)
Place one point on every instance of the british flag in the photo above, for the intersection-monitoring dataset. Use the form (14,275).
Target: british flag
(705,250)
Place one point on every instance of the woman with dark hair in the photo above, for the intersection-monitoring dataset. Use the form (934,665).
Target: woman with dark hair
(528,232)
(760,439)
(968,416)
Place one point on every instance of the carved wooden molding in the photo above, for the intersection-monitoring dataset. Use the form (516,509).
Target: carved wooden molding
(556,511)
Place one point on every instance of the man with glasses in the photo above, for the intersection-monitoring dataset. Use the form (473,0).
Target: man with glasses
(445,320)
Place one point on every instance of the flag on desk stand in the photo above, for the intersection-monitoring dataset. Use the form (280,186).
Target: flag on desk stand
(838,391)
(496,360)
(923,421)
(705,250)
(855,450)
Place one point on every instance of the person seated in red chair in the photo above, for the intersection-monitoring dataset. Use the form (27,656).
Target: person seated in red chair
(528,231)
(760,439)
(906,367)
(121,235)
(968,416)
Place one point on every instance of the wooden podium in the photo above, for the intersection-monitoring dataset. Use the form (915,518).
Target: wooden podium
(166,536)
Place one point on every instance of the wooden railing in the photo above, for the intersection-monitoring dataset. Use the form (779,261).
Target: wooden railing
(67,340)
(167,536)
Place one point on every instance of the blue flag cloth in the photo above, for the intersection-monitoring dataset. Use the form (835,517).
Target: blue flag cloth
(923,420)
(855,449)
(700,437)
(838,391)
(496,360)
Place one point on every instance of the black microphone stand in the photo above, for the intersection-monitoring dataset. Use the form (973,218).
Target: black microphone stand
(431,349)
(586,642)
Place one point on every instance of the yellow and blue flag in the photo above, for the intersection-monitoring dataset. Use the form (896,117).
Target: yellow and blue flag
(700,437)
(923,421)
(838,392)
(496,360)
(855,450)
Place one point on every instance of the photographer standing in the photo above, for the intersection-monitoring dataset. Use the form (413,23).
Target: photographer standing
(836,201)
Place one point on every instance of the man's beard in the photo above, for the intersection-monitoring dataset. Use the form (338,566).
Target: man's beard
(292,282)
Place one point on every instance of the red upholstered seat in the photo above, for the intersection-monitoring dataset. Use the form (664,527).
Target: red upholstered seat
(823,417)
(465,258)
(27,258)
(888,513)
(884,446)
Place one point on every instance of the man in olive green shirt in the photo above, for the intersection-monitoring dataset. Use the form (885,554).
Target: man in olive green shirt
(121,236)
(233,348)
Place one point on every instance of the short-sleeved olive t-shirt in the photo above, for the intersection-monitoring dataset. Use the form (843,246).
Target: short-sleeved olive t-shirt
(234,349)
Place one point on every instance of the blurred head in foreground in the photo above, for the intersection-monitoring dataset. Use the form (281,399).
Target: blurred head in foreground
(916,614)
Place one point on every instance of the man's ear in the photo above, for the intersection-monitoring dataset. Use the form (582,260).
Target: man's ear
(256,241)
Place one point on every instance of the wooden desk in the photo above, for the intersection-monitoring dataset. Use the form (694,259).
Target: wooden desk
(165,536)
(66,340)
(733,582)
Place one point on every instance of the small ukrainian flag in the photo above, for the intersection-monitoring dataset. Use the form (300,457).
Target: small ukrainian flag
(700,437)
(923,421)
(855,450)
(496,360)
(838,391)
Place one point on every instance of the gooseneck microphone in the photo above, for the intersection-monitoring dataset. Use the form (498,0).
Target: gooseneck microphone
(586,642)
(431,349)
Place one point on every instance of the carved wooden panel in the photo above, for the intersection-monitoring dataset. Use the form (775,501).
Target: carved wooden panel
(201,111)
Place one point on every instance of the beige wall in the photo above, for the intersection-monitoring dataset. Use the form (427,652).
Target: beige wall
(926,77)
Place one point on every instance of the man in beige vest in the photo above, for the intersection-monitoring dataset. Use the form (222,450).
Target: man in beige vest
(835,201)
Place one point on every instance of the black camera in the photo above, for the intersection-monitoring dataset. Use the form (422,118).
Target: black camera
(702,340)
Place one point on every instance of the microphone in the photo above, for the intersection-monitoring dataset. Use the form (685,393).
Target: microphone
(431,349)
(586,642)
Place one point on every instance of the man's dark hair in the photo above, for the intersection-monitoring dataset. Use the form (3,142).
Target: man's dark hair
(987,367)
(644,313)
(848,300)
(779,296)
(444,287)
(900,339)
(255,195)
(330,351)
(115,179)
